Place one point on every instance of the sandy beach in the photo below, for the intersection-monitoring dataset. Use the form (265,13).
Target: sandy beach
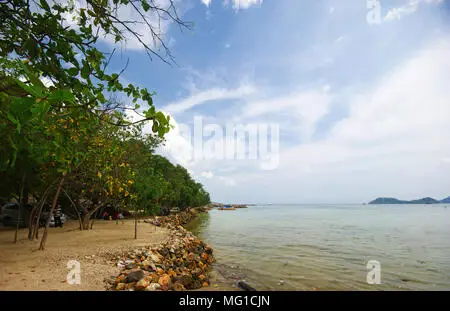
(24,267)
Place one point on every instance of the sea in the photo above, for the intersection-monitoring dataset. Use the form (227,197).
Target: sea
(332,247)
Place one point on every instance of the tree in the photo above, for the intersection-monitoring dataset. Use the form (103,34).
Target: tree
(50,124)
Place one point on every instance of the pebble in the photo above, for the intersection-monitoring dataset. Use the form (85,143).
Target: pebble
(181,263)
(153,287)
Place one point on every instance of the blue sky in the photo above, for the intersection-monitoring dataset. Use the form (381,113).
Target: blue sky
(363,109)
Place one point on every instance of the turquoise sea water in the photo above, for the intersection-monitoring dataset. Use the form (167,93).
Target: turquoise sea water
(327,247)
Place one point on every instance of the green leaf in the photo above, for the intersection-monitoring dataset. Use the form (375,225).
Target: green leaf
(101,97)
(62,95)
(155,126)
(85,72)
(20,105)
(31,46)
(31,75)
(73,71)
(12,118)
(45,5)
(145,5)
(45,108)
(30,89)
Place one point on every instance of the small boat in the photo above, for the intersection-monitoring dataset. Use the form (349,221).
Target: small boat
(226,208)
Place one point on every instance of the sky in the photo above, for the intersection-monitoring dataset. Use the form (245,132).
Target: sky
(348,102)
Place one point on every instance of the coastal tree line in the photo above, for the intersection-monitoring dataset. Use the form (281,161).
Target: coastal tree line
(65,128)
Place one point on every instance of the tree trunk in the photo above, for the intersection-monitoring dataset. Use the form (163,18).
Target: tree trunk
(35,212)
(88,215)
(86,219)
(76,209)
(135,226)
(55,200)
(38,219)
(93,219)
(20,207)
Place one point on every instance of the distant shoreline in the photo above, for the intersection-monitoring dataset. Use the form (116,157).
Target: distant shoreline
(426,200)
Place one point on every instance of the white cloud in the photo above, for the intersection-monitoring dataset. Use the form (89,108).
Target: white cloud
(46,81)
(339,39)
(331,10)
(237,4)
(307,107)
(177,145)
(245,4)
(206,2)
(326,88)
(392,137)
(228,181)
(203,97)
(207,174)
(407,9)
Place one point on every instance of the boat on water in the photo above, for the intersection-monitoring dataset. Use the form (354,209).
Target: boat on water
(227,208)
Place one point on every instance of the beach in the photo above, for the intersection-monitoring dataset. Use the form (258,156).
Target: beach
(99,252)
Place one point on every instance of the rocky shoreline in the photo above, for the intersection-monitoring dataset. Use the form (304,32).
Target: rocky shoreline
(182,262)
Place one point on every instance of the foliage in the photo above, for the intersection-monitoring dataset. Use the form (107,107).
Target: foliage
(61,125)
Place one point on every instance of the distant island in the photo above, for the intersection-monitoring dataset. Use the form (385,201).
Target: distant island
(426,200)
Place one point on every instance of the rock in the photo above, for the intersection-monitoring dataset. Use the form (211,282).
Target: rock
(164,280)
(171,273)
(185,279)
(160,271)
(281,282)
(121,286)
(208,250)
(120,279)
(196,284)
(155,258)
(180,263)
(153,287)
(145,264)
(154,277)
(178,287)
(135,276)
(142,284)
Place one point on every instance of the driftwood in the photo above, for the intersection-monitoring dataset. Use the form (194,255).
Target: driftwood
(244,286)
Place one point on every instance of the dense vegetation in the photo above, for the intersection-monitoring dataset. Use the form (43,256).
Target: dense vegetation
(64,132)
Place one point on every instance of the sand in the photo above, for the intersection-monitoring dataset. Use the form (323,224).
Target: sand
(24,267)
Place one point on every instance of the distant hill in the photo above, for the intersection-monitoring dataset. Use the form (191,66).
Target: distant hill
(446,200)
(419,201)
(386,201)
